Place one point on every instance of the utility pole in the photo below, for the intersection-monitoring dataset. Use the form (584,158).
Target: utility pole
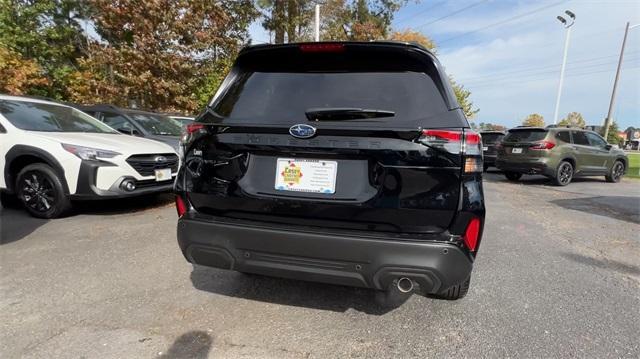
(607,121)
(317,24)
(567,25)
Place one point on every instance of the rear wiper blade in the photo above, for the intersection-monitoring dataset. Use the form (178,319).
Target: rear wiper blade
(345,113)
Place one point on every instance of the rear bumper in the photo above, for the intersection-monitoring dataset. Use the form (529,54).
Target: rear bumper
(489,159)
(360,261)
(539,166)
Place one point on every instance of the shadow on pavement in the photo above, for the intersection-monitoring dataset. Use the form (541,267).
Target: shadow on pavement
(287,292)
(194,344)
(122,205)
(538,180)
(617,207)
(16,223)
(604,264)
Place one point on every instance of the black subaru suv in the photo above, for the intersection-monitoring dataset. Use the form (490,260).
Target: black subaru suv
(346,163)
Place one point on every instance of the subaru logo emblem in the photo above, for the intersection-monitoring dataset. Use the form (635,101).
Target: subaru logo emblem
(160,159)
(302,131)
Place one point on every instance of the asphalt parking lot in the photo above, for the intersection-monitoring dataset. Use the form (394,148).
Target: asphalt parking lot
(558,275)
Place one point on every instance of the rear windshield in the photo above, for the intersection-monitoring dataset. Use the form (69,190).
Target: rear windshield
(491,137)
(33,116)
(525,136)
(284,97)
(157,124)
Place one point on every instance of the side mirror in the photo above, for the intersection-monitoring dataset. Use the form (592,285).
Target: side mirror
(608,147)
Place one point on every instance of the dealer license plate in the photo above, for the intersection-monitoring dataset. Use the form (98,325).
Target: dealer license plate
(306,175)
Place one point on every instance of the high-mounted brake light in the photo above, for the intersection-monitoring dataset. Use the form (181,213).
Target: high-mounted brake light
(542,145)
(322,47)
(181,207)
(471,234)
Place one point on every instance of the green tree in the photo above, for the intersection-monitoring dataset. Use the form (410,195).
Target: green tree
(47,34)
(613,136)
(464,99)
(415,37)
(491,127)
(19,75)
(462,95)
(533,120)
(356,20)
(573,119)
(288,20)
(162,55)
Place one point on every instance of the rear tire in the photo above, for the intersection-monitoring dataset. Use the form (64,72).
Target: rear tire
(564,174)
(513,176)
(41,191)
(457,291)
(616,172)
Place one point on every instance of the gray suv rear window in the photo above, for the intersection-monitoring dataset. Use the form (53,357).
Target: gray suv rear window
(525,135)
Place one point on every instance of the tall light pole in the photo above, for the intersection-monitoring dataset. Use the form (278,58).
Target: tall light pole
(607,121)
(567,25)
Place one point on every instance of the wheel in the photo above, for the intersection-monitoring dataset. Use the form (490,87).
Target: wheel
(616,172)
(41,191)
(486,167)
(513,176)
(564,174)
(457,291)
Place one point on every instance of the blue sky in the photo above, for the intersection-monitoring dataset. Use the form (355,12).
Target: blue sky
(508,53)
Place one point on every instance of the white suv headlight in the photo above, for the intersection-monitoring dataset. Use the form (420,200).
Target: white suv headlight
(88,153)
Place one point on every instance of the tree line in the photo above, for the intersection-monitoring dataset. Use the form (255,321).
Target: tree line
(166,55)
(573,119)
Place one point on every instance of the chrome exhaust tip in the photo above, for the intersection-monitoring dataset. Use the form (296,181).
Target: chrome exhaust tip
(405,285)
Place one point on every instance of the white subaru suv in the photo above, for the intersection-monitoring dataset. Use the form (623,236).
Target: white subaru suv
(52,154)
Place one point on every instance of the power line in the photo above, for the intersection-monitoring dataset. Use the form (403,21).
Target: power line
(527,69)
(534,75)
(504,21)
(421,12)
(452,13)
(526,82)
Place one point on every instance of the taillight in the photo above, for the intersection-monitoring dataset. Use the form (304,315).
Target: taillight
(471,234)
(467,143)
(189,130)
(450,141)
(322,47)
(181,207)
(193,127)
(542,145)
(472,143)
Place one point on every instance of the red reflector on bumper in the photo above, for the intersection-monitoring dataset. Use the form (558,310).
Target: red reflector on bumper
(181,207)
(471,234)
